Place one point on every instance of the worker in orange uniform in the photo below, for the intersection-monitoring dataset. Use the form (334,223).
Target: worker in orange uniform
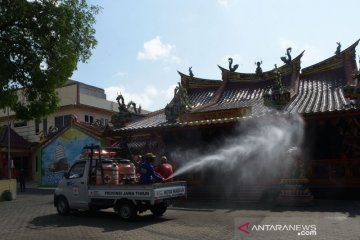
(165,169)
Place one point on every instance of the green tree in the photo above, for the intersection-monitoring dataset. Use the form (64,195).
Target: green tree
(41,42)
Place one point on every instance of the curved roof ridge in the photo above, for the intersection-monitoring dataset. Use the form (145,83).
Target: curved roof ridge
(332,62)
(284,69)
(151,114)
(198,79)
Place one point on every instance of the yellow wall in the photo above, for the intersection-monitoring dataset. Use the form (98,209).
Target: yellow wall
(6,185)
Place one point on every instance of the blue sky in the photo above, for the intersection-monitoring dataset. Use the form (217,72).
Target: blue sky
(142,43)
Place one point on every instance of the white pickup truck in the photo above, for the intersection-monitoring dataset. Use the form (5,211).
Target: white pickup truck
(77,190)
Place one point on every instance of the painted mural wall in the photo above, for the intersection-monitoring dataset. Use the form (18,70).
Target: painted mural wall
(59,154)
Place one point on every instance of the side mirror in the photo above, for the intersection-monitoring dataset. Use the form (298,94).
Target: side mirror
(66,175)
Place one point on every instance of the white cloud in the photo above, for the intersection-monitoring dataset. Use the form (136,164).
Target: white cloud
(151,91)
(157,50)
(150,98)
(224,3)
(169,92)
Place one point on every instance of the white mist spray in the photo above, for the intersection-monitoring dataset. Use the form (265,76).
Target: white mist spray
(258,150)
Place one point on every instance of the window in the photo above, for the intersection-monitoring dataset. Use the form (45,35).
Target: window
(77,171)
(89,119)
(61,121)
(20,124)
(104,121)
(45,125)
(37,126)
(67,120)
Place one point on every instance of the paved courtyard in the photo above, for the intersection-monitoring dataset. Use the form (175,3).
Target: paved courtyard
(32,216)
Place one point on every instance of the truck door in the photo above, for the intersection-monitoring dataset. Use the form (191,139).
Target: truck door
(77,187)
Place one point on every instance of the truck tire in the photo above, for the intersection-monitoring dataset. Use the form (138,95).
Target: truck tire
(62,206)
(158,209)
(126,210)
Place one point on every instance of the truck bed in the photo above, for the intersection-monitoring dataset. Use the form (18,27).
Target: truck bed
(150,192)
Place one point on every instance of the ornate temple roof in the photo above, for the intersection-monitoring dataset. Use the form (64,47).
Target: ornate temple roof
(347,56)
(285,70)
(321,85)
(316,90)
(318,96)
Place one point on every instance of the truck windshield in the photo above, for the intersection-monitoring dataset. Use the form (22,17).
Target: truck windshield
(77,170)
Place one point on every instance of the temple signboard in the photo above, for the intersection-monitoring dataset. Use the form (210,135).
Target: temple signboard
(224,113)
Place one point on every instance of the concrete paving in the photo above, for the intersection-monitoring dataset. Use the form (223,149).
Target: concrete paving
(33,216)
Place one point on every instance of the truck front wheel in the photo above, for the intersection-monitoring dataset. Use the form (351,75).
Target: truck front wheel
(158,209)
(126,210)
(62,206)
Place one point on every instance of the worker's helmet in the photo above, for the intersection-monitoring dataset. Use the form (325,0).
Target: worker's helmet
(149,157)
(163,159)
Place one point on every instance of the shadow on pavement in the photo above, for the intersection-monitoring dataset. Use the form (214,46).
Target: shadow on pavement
(352,208)
(189,209)
(108,221)
(36,191)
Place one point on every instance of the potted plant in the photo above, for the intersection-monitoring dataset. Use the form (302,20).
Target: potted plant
(7,195)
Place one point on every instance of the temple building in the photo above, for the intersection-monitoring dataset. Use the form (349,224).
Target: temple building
(202,111)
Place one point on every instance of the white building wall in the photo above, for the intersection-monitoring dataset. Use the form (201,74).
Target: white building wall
(28,132)
(67,95)
(89,105)
(98,102)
